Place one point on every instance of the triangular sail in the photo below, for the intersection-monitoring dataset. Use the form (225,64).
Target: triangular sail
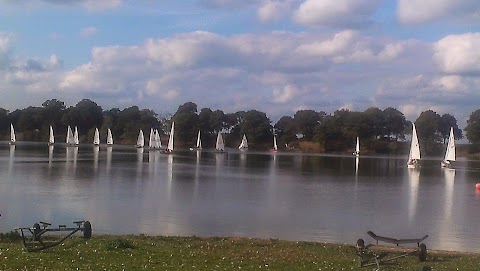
(414,147)
(51,138)
(140,140)
(199,142)
(69,140)
(357,147)
(244,143)
(75,136)
(219,146)
(151,139)
(170,139)
(275,147)
(13,138)
(109,137)
(450,154)
(158,142)
(96,137)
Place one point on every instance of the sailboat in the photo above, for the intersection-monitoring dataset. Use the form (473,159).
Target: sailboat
(244,144)
(198,146)
(140,140)
(170,140)
(275,147)
(450,154)
(357,148)
(151,139)
(70,141)
(75,137)
(158,142)
(109,137)
(96,137)
(13,138)
(219,146)
(51,138)
(414,155)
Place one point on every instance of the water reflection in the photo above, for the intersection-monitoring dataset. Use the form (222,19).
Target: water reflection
(283,195)
(71,159)
(96,151)
(109,158)
(139,161)
(449,188)
(413,178)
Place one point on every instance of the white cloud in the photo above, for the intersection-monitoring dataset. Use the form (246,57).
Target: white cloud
(6,49)
(284,95)
(258,71)
(421,11)
(271,10)
(346,13)
(88,32)
(458,54)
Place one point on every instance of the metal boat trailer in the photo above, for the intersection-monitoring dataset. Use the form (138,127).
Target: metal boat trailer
(371,258)
(33,237)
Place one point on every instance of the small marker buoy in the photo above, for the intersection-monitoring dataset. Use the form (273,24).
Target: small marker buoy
(477,186)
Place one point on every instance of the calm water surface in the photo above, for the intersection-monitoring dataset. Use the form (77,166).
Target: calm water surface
(284,195)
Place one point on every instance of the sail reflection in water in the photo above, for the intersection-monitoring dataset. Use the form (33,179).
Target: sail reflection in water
(413,178)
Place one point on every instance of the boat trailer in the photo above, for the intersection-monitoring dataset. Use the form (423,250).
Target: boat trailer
(370,258)
(33,237)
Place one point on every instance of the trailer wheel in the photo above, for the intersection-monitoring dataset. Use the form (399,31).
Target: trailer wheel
(422,256)
(87,229)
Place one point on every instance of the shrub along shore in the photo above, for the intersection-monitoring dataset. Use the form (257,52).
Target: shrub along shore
(141,252)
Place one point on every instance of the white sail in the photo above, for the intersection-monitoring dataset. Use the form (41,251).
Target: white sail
(158,141)
(244,143)
(75,137)
(51,138)
(219,146)
(199,142)
(275,147)
(140,140)
(151,139)
(170,139)
(357,147)
(109,137)
(69,140)
(414,154)
(96,137)
(13,138)
(450,153)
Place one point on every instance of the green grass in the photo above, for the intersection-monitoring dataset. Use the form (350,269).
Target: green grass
(142,252)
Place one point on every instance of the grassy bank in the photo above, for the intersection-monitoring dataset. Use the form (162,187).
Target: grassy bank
(194,253)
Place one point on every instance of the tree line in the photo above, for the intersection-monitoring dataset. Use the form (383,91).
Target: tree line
(378,129)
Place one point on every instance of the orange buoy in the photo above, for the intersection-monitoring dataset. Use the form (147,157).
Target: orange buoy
(477,186)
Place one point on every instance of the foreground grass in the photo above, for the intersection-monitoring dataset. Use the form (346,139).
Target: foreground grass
(142,252)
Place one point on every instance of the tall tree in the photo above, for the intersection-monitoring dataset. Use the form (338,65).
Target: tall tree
(256,126)
(448,121)
(306,122)
(186,122)
(427,125)
(395,123)
(472,130)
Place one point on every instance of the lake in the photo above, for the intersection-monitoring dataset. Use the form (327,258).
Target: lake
(291,196)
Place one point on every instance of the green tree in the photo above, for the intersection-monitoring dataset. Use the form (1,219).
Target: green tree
(186,123)
(448,121)
(375,120)
(306,122)
(472,130)
(256,126)
(395,123)
(427,125)
(285,129)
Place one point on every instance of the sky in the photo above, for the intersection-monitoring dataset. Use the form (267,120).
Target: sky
(274,56)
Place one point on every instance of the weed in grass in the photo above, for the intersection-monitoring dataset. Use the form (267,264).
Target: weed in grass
(120,244)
